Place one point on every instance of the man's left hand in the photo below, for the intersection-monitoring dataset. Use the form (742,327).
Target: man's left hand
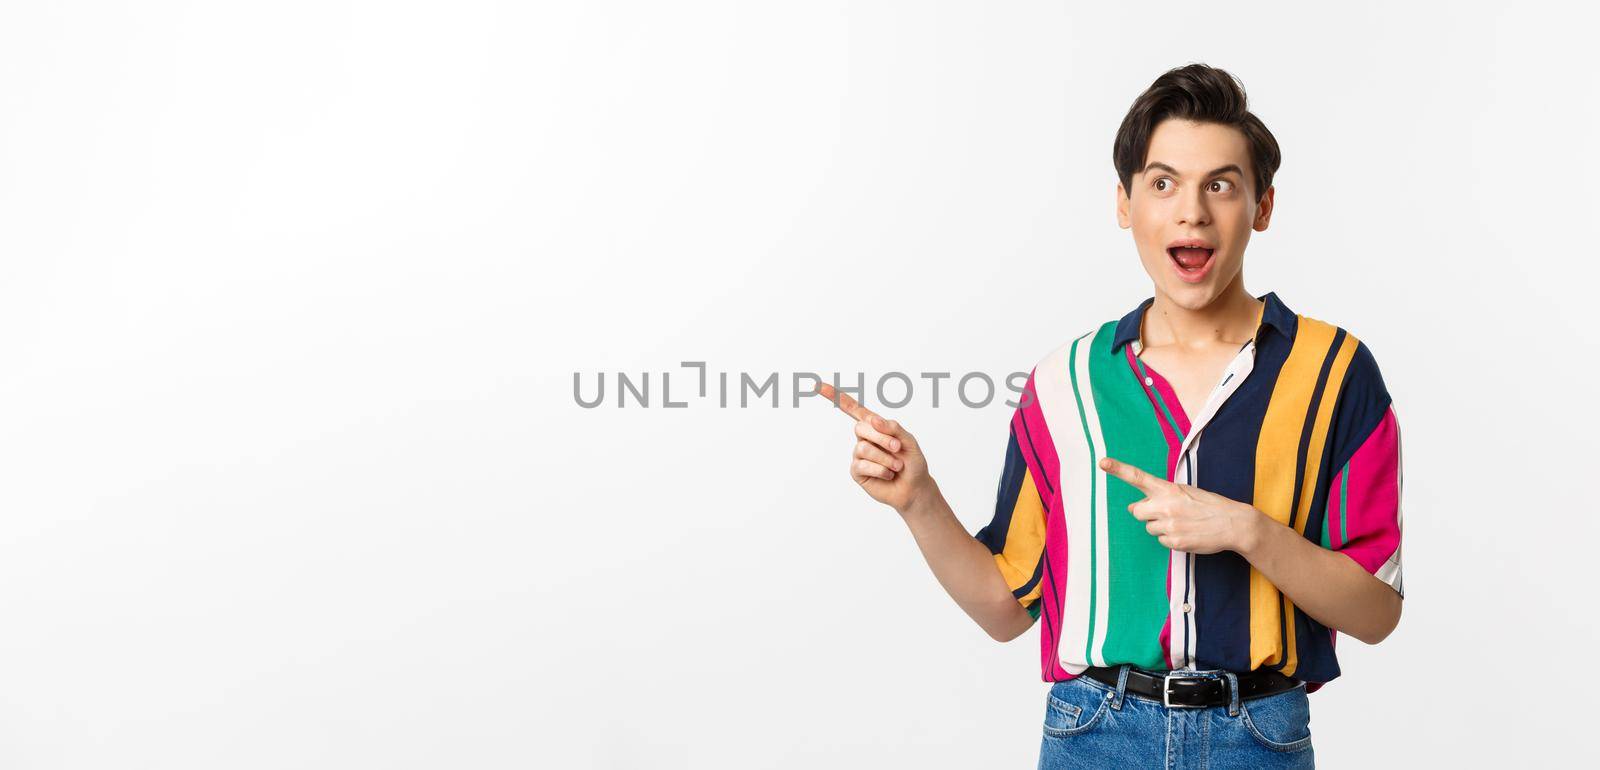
(1187,518)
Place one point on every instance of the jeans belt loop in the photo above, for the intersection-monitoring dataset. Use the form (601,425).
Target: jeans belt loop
(1233,694)
(1122,686)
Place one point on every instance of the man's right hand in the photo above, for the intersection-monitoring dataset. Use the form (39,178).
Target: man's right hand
(886,460)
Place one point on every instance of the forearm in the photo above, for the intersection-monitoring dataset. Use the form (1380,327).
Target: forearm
(1329,586)
(965,567)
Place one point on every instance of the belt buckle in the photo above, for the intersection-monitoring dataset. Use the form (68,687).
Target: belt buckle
(1166,690)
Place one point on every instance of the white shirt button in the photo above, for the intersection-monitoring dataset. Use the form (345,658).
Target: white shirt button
(1187,608)
(1149,381)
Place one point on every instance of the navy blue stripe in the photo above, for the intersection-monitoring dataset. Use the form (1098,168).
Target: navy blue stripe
(1227,466)
(994,533)
(1310,423)
(1306,429)
(1362,403)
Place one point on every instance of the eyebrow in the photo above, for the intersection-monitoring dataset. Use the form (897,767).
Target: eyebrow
(1234,167)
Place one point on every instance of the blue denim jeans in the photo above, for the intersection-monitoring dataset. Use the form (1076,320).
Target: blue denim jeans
(1090,724)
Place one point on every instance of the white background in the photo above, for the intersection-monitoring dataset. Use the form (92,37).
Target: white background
(292,295)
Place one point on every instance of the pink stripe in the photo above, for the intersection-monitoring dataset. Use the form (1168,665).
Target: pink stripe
(1174,441)
(1160,385)
(1166,627)
(1039,451)
(1054,592)
(1372,510)
(1170,396)
(1034,435)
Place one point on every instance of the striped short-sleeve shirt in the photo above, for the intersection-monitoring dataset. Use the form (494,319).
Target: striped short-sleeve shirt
(1299,425)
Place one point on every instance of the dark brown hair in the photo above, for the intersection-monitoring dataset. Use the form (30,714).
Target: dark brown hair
(1203,94)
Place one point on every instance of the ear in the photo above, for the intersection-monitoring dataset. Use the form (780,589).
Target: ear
(1264,210)
(1123,220)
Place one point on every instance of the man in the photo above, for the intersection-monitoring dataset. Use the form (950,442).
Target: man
(1196,496)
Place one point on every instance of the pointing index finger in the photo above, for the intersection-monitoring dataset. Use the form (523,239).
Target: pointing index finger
(850,406)
(1145,482)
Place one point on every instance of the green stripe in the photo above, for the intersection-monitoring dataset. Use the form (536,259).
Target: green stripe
(1132,432)
(1344,503)
(1094,467)
(1326,517)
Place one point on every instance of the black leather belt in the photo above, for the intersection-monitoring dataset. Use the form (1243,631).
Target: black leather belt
(1195,689)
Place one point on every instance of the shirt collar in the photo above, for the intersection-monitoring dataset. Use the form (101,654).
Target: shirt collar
(1274,314)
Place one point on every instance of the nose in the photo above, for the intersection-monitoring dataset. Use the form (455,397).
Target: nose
(1192,210)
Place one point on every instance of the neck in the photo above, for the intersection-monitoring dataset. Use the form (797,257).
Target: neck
(1231,318)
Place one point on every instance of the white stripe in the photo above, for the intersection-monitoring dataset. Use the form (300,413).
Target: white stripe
(1180,566)
(1053,387)
(1177,568)
(1194,594)
(1191,638)
(1102,546)
(1194,612)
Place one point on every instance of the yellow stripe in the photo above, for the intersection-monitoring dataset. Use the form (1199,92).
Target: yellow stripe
(1024,540)
(1276,451)
(1320,426)
(1319,433)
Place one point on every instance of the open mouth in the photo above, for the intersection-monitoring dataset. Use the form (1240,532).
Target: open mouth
(1191,261)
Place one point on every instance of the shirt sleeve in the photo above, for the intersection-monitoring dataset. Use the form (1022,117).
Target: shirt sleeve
(1015,534)
(1364,518)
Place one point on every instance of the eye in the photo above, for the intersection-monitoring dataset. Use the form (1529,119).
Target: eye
(1158,184)
(1224,185)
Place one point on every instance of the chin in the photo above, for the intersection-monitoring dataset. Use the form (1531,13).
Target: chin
(1192,296)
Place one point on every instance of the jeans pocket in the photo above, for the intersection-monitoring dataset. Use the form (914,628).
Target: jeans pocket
(1280,722)
(1073,707)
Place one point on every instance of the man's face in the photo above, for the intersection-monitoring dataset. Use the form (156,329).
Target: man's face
(1192,208)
